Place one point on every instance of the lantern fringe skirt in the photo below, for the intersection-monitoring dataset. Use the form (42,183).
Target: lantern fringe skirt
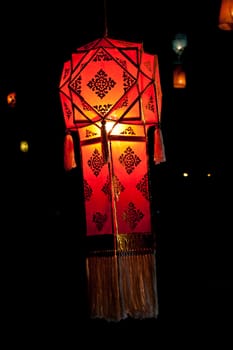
(122,286)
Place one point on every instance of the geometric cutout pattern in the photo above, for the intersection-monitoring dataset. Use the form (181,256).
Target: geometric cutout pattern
(87,190)
(128,131)
(67,110)
(96,162)
(132,215)
(129,160)
(90,133)
(101,83)
(150,105)
(99,219)
(143,187)
(103,109)
(106,189)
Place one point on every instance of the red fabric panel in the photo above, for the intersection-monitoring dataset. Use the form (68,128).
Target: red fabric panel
(97,192)
(130,169)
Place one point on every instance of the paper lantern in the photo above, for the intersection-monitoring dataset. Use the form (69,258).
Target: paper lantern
(179,77)
(11,99)
(111,96)
(24,147)
(179,43)
(225,21)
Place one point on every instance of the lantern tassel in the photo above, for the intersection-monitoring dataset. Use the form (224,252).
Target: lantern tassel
(159,153)
(69,154)
(104,142)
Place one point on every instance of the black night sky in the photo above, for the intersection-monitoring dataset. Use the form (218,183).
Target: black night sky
(192,215)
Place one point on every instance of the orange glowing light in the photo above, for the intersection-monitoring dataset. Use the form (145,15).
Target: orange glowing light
(179,77)
(11,99)
(225,21)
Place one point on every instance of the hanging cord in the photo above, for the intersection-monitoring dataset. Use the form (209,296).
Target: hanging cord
(105,19)
(104,142)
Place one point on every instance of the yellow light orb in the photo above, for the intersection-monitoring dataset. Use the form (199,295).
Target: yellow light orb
(24,146)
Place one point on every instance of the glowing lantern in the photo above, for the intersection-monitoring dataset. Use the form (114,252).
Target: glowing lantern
(225,21)
(179,43)
(111,96)
(11,99)
(24,146)
(179,77)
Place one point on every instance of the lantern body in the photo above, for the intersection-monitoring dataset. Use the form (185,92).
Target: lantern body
(11,99)
(24,146)
(111,96)
(179,77)
(225,21)
(179,43)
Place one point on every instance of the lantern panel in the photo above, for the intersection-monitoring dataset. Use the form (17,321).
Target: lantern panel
(122,130)
(148,64)
(149,105)
(96,43)
(97,189)
(65,76)
(88,133)
(125,44)
(130,177)
(83,112)
(143,82)
(67,109)
(158,89)
(103,79)
(78,60)
(128,107)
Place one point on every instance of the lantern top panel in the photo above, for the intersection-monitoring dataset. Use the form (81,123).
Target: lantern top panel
(110,80)
(109,42)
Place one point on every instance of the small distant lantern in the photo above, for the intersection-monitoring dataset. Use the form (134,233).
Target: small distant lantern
(111,96)
(179,77)
(11,99)
(225,21)
(24,146)
(179,43)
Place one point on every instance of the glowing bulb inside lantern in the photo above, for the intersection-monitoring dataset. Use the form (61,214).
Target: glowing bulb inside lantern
(109,126)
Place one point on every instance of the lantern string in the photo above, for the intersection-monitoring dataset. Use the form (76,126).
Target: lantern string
(104,142)
(105,19)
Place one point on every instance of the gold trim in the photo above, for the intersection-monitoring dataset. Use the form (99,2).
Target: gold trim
(131,242)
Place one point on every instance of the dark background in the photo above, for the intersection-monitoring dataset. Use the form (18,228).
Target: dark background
(42,235)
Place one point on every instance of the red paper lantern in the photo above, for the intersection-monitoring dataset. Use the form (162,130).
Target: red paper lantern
(225,20)
(111,96)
